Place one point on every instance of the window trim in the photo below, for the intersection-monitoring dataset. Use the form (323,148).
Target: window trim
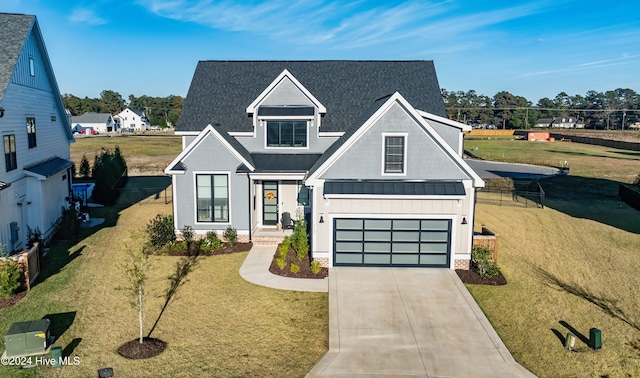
(265,122)
(383,168)
(32,67)
(195,197)
(14,166)
(31,132)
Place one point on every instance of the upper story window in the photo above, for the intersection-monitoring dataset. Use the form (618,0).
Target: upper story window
(31,131)
(32,67)
(10,158)
(394,154)
(286,133)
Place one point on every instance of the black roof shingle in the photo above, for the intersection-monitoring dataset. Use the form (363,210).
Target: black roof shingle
(220,91)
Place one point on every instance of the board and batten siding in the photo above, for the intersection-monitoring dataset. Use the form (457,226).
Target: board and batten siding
(425,158)
(211,157)
(402,208)
(47,199)
(22,72)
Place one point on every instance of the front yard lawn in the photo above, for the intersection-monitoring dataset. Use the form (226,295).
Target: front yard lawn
(218,325)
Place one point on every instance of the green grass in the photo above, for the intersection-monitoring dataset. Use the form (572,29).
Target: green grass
(570,267)
(142,153)
(218,325)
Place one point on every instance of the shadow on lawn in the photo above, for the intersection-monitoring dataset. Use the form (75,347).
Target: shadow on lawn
(590,198)
(609,306)
(60,322)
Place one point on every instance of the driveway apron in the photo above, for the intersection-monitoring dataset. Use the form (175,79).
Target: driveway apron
(409,322)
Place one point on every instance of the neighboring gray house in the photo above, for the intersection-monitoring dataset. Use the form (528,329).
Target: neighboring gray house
(100,122)
(362,149)
(35,176)
(564,122)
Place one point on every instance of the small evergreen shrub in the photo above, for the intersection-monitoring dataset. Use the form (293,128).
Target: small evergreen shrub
(85,168)
(9,275)
(281,262)
(187,235)
(299,239)
(214,241)
(68,225)
(482,259)
(315,267)
(295,268)
(283,249)
(231,235)
(160,230)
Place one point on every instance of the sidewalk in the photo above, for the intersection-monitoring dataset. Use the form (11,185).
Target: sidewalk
(255,269)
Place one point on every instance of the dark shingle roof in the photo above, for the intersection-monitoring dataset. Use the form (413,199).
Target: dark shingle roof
(4,185)
(49,167)
(91,117)
(13,33)
(221,90)
(404,188)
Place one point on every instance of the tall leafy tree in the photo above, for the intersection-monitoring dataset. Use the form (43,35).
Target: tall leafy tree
(111,102)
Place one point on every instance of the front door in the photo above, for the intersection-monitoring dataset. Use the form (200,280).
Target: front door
(269,203)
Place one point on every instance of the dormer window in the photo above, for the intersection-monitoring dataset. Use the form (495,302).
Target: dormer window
(287,133)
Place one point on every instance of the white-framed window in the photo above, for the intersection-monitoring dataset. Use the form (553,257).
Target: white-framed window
(212,197)
(286,133)
(10,156)
(394,154)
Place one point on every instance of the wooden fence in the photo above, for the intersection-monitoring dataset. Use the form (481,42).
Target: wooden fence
(487,239)
(29,262)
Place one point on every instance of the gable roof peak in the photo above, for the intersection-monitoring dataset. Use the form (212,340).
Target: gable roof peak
(285,74)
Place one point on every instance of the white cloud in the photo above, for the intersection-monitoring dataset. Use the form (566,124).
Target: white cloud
(340,24)
(86,16)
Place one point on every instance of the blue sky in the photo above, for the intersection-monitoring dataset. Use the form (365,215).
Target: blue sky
(533,49)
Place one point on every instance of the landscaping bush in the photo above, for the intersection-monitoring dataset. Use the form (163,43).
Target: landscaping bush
(299,239)
(109,171)
(187,235)
(295,268)
(33,236)
(213,241)
(9,275)
(160,230)
(281,262)
(68,225)
(231,235)
(283,248)
(483,262)
(85,168)
(315,267)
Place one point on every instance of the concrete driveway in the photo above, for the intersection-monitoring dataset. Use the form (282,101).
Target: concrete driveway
(409,322)
(495,169)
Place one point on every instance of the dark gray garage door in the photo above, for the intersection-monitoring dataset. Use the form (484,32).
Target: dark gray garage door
(391,242)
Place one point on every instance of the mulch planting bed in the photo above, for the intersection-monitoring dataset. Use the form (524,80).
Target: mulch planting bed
(150,347)
(10,301)
(305,267)
(474,278)
(228,248)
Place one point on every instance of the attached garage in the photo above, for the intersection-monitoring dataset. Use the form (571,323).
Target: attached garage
(392,242)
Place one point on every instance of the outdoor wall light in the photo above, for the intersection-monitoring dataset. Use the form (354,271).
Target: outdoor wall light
(321,219)
(1,112)
(464,220)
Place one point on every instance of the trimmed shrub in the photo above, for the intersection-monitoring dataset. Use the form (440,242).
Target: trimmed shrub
(214,241)
(110,172)
(299,239)
(315,267)
(85,168)
(295,268)
(187,235)
(160,230)
(9,275)
(483,262)
(68,225)
(231,235)
(283,249)
(281,262)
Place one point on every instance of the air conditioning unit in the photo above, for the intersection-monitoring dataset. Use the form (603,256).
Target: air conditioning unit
(27,338)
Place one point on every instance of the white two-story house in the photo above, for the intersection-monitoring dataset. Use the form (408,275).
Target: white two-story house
(133,119)
(35,174)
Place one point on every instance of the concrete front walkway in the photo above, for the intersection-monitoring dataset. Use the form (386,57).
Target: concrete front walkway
(255,269)
(413,322)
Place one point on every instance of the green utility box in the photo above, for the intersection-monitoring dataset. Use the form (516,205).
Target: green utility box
(27,337)
(595,337)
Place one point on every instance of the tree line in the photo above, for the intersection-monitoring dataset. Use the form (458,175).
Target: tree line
(161,111)
(615,109)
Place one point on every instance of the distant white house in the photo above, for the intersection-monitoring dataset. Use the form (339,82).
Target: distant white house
(100,122)
(564,122)
(133,119)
